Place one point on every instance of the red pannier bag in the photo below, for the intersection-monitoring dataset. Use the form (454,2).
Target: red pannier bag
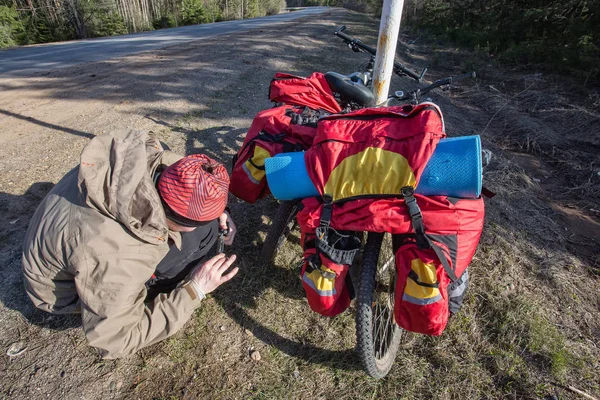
(429,274)
(272,132)
(360,161)
(313,92)
(421,293)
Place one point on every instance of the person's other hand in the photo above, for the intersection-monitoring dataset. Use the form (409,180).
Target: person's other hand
(207,277)
(224,219)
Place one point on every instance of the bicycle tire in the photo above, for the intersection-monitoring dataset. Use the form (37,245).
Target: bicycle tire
(279,230)
(376,365)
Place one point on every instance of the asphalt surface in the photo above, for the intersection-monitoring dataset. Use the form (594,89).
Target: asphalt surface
(25,61)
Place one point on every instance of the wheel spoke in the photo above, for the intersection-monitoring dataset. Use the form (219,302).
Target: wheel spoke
(382,334)
(386,331)
(385,266)
(377,327)
(389,327)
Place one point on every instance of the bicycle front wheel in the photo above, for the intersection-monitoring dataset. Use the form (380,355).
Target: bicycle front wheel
(281,227)
(378,336)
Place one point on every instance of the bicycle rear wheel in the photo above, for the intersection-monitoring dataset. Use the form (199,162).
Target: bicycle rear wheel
(281,227)
(378,336)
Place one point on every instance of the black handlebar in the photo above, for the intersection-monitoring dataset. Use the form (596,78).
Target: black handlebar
(355,44)
(358,46)
(406,71)
(438,83)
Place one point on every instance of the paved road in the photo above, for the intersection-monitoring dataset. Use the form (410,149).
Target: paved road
(26,60)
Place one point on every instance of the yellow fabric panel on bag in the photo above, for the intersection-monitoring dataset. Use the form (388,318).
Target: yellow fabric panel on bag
(373,171)
(324,286)
(426,274)
(258,159)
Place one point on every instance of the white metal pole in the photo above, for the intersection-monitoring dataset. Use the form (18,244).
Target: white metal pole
(386,48)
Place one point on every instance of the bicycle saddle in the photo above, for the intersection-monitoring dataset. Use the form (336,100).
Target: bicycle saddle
(349,89)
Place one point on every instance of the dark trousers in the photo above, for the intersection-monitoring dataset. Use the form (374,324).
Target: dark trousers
(177,264)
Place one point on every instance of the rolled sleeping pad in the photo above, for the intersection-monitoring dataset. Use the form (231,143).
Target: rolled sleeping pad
(453,170)
(287,177)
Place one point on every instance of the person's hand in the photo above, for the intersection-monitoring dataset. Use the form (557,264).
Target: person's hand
(207,277)
(224,219)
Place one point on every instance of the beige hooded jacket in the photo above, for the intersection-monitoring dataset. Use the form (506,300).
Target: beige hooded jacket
(97,238)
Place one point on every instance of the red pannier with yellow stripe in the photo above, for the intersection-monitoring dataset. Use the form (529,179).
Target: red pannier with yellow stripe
(271,132)
(327,284)
(280,129)
(432,276)
(366,165)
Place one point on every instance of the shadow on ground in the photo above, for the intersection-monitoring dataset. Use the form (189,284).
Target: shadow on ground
(46,124)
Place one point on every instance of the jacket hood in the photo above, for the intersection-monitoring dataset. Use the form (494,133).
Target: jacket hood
(115,178)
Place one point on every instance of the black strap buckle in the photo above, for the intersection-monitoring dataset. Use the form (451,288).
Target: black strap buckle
(408,192)
(327,210)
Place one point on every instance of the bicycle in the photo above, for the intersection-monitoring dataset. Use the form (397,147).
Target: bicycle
(378,335)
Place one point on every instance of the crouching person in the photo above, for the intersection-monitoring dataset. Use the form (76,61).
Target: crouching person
(123,239)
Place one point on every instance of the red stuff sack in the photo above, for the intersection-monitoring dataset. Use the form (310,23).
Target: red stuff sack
(313,92)
(272,132)
(325,277)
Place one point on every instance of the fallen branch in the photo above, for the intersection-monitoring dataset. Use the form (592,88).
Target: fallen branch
(575,390)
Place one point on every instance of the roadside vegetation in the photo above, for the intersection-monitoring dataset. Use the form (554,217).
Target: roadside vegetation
(41,21)
(562,35)
(559,35)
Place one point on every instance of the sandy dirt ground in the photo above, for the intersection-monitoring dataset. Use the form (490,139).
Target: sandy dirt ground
(541,240)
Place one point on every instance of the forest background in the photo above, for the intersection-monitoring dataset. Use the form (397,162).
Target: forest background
(564,35)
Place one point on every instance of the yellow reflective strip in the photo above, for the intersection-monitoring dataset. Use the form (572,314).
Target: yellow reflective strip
(373,171)
(426,274)
(321,283)
(258,159)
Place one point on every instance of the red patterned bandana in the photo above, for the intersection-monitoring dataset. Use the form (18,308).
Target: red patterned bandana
(194,188)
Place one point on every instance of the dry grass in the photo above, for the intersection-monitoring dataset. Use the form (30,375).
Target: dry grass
(530,319)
